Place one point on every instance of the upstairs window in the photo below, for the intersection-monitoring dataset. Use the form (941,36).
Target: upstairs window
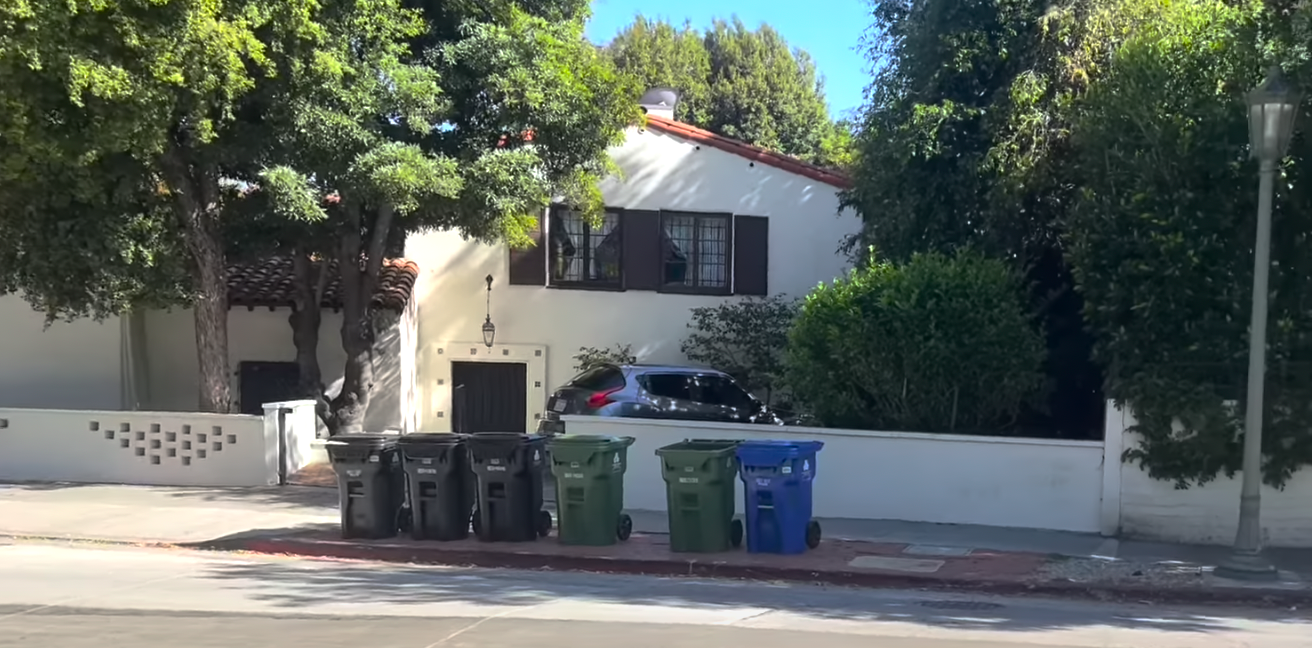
(695,252)
(582,253)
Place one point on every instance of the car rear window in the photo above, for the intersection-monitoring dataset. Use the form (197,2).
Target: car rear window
(599,379)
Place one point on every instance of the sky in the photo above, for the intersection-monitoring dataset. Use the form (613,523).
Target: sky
(828,29)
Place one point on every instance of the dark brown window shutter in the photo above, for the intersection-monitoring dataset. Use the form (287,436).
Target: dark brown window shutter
(751,255)
(642,249)
(528,266)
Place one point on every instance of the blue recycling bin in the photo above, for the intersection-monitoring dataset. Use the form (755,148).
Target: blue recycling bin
(777,477)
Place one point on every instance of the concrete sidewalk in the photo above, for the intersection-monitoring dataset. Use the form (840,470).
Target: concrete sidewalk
(304,520)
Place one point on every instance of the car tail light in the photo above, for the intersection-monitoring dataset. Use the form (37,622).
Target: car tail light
(601,399)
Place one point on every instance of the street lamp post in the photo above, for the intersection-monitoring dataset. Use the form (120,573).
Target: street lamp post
(1270,126)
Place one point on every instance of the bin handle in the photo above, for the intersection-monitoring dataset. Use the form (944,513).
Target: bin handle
(628,440)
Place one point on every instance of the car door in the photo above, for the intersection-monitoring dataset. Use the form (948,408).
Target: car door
(673,396)
(725,400)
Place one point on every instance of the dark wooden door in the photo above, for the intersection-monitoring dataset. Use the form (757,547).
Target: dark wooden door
(489,396)
(266,382)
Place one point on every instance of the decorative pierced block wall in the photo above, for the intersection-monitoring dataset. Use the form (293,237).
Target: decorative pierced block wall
(162,448)
(157,443)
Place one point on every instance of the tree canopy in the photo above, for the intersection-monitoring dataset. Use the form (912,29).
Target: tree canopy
(738,82)
(1101,146)
(144,143)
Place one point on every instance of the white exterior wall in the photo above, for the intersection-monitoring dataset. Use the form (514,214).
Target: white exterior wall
(660,172)
(1209,514)
(70,365)
(151,448)
(940,478)
(265,335)
(156,448)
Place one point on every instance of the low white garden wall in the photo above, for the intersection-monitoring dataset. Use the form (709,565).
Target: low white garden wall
(1154,510)
(1009,482)
(155,448)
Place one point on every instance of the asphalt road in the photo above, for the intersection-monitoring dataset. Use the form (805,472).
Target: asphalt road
(61,596)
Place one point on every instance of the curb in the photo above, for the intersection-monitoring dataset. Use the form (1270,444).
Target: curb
(694,568)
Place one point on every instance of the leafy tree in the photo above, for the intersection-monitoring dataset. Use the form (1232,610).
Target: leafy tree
(589,357)
(467,116)
(938,344)
(745,339)
(1161,239)
(125,134)
(745,84)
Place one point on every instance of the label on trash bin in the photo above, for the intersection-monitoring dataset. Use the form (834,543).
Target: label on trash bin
(496,468)
(426,462)
(573,464)
(788,470)
(806,464)
(689,480)
(570,475)
(426,471)
(688,469)
(494,461)
(353,473)
(760,481)
(615,465)
(537,455)
(373,458)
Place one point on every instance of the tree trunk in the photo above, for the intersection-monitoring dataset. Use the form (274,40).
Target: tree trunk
(195,189)
(359,268)
(311,280)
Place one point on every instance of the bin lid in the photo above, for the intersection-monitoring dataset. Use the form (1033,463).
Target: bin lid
(590,439)
(496,438)
(366,439)
(776,450)
(431,438)
(701,446)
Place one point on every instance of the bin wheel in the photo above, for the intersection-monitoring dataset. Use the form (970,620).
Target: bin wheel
(813,534)
(476,522)
(736,533)
(625,527)
(544,523)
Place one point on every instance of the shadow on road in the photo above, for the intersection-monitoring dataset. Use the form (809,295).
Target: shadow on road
(294,586)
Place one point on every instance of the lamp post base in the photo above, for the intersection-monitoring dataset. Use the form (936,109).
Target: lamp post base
(1246,566)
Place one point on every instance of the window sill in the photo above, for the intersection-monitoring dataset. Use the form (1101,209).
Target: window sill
(593,287)
(690,290)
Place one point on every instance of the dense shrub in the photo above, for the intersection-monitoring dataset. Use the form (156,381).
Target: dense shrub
(935,345)
(589,357)
(744,338)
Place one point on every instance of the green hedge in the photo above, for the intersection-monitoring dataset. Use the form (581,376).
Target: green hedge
(939,344)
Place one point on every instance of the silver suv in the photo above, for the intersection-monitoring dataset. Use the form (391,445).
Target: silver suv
(655,391)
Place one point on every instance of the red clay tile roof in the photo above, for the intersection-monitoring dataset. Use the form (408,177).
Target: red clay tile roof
(268,282)
(753,153)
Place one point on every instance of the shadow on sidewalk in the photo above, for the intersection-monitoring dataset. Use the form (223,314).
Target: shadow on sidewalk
(293,586)
(294,496)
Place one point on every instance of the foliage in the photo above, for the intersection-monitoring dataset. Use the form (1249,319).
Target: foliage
(741,83)
(589,357)
(127,127)
(1162,242)
(960,145)
(746,339)
(938,344)
(455,117)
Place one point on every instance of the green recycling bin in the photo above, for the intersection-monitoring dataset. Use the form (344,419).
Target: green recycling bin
(700,477)
(589,472)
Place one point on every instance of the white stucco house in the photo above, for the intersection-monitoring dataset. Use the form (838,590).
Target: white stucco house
(694,219)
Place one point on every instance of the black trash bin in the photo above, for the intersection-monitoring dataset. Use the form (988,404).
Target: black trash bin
(440,484)
(509,467)
(370,484)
